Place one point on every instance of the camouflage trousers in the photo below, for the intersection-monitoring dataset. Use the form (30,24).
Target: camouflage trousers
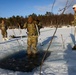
(32,44)
(4,33)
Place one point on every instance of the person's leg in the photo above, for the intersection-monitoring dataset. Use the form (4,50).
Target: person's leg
(29,45)
(5,35)
(34,44)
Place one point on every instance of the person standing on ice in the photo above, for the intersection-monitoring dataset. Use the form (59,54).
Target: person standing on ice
(74,22)
(3,30)
(32,32)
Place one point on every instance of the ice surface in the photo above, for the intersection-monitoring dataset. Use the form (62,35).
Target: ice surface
(62,60)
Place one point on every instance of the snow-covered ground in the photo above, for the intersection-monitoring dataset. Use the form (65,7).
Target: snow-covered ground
(62,60)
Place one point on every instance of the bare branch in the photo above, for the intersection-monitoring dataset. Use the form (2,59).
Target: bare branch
(66,6)
(53,5)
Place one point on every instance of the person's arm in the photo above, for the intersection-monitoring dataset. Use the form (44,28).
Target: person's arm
(74,22)
(6,27)
(25,25)
(40,25)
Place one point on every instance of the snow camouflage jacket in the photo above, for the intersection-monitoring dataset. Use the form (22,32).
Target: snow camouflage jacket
(33,29)
(74,22)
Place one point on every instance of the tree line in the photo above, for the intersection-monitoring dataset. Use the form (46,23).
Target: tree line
(49,19)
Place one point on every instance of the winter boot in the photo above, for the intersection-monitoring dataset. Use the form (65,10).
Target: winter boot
(74,48)
(29,54)
(6,39)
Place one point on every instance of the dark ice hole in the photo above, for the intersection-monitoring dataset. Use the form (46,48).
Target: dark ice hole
(20,62)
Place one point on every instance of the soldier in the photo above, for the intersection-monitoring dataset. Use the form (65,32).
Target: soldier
(74,23)
(3,30)
(32,32)
(74,8)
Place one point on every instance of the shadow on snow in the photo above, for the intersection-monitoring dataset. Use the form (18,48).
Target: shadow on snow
(70,59)
(73,38)
(45,42)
